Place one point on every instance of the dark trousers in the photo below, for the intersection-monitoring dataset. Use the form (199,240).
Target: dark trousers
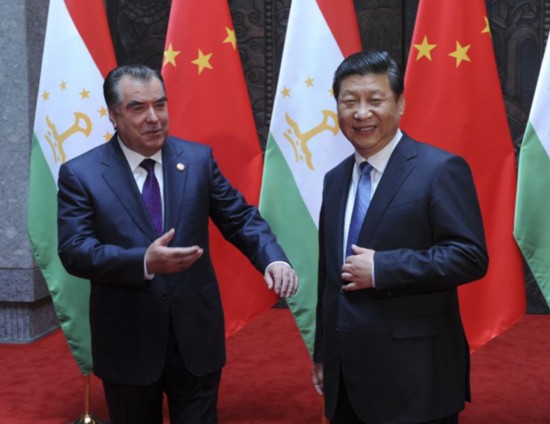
(345,414)
(191,399)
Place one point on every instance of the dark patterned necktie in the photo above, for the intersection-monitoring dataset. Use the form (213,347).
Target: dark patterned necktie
(151,195)
(362,201)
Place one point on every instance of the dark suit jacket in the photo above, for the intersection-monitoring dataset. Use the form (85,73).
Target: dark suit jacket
(104,231)
(401,346)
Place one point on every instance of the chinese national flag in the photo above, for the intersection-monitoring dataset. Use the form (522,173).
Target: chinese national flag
(454,101)
(209,103)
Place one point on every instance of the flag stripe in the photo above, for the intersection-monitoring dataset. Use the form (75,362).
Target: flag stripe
(91,22)
(69,293)
(342,21)
(296,232)
(532,226)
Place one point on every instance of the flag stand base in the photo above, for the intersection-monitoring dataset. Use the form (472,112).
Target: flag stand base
(89,419)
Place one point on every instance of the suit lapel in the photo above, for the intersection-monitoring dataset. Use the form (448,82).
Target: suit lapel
(336,200)
(118,176)
(176,170)
(399,167)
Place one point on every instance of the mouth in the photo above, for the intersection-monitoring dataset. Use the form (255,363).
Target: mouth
(365,129)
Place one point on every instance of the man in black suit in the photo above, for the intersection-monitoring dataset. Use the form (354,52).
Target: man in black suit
(390,345)
(133,218)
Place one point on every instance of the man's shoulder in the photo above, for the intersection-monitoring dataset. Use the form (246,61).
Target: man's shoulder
(173,142)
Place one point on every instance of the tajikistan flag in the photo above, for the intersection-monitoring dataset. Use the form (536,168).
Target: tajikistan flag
(71,118)
(305,140)
(532,226)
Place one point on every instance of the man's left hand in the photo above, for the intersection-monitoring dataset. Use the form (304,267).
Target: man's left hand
(282,279)
(357,271)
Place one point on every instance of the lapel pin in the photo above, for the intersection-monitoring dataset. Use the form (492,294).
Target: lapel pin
(180,166)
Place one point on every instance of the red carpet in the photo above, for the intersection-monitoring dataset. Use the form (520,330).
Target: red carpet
(267,378)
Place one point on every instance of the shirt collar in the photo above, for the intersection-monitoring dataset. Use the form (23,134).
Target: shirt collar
(135,158)
(380,159)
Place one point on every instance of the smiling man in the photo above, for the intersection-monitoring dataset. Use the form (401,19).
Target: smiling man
(133,219)
(400,229)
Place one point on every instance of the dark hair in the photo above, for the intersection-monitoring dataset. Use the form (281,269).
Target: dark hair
(136,72)
(369,62)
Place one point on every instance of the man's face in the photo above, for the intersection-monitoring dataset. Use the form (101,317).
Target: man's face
(141,117)
(369,112)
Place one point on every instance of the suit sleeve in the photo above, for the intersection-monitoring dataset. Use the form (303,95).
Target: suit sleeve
(241,223)
(80,249)
(453,252)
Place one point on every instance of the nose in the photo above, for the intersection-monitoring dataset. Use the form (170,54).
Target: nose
(151,116)
(362,111)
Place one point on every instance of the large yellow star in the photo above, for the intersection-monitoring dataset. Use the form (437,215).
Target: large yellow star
(487,28)
(424,49)
(102,112)
(203,61)
(85,94)
(231,38)
(309,82)
(461,53)
(170,55)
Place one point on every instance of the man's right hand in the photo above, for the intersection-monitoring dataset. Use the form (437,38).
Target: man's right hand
(317,376)
(161,259)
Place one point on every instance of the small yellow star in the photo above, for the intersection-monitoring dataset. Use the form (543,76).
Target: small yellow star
(46,95)
(285,92)
(231,38)
(487,28)
(424,49)
(85,94)
(102,112)
(107,136)
(203,61)
(461,53)
(170,55)
(331,92)
(63,85)
(309,82)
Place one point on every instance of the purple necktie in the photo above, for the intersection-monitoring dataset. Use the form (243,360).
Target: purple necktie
(151,195)
(362,201)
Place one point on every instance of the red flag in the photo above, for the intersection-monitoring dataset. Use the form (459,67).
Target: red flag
(209,103)
(454,101)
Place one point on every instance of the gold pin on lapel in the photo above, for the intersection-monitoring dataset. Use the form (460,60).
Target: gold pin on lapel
(180,166)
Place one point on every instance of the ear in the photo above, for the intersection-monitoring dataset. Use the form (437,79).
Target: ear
(401,104)
(112,118)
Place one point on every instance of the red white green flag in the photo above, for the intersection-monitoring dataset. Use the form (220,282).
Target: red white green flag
(71,118)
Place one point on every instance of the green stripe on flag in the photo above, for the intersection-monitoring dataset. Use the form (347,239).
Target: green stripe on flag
(283,207)
(70,294)
(532,226)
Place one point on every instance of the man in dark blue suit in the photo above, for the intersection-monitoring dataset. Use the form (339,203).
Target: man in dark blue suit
(390,346)
(133,219)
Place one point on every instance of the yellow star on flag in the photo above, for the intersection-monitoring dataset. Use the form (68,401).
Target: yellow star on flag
(85,94)
(487,28)
(461,53)
(309,82)
(107,136)
(170,55)
(63,85)
(424,49)
(285,92)
(203,61)
(46,96)
(231,38)
(102,112)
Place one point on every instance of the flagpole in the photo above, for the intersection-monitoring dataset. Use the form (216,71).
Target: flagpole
(87,417)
